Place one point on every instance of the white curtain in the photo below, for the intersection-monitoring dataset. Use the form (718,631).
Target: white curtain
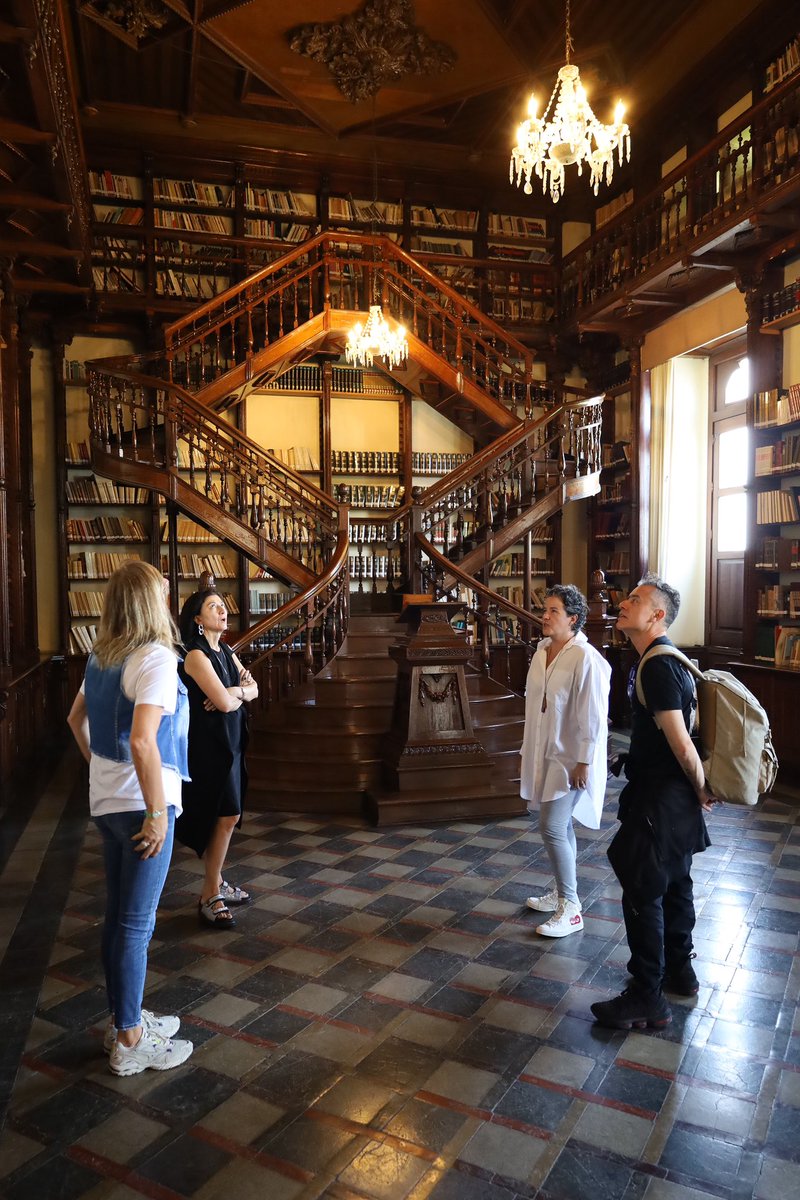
(678,543)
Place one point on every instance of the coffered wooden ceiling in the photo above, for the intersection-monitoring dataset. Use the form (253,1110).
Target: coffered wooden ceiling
(223,72)
(99,81)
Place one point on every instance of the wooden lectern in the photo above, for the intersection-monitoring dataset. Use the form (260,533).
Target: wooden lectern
(432,755)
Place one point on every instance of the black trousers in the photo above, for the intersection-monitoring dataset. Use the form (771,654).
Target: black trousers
(659,930)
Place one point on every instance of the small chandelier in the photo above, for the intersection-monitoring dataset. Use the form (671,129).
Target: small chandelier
(376,339)
(547,146)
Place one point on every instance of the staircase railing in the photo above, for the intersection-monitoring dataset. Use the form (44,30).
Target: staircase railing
(344,271)
(753,159)
(496,622)
(152,432)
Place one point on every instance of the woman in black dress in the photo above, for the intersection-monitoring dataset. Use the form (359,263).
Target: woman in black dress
(218,687)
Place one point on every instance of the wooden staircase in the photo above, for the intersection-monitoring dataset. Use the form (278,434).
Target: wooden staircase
(321,750)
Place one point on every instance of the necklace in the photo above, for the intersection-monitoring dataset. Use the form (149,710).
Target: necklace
(548,671)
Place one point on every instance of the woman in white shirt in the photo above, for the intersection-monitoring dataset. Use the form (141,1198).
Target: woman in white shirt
(131,722)
(563,770)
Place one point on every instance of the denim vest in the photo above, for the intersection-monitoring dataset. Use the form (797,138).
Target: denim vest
(110,715)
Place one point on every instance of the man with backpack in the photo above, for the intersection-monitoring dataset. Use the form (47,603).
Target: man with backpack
(661,815)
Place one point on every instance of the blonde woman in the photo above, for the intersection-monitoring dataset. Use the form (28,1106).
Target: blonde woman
(131,722)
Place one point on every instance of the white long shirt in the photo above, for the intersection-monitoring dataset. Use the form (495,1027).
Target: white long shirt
(573,729)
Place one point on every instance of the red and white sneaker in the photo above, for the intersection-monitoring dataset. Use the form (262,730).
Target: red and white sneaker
(566,919)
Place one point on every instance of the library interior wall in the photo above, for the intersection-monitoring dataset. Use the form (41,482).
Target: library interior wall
(278,422)
(45,512)
(45,478)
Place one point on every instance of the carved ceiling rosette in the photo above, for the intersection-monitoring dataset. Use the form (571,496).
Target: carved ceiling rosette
(372,47)
(137,18)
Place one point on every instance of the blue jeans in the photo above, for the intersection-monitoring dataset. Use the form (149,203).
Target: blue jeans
(133,889)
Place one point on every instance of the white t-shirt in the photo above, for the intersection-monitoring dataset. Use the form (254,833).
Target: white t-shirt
(150,676)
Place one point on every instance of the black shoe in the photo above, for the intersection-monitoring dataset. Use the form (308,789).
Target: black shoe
(681,980)
(633,1010)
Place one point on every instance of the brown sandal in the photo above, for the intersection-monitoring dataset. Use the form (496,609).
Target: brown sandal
(215,912)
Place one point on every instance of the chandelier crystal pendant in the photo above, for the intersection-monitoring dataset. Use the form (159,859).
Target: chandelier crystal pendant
(567,132)
(376,339)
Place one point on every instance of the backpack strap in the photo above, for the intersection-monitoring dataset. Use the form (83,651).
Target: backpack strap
(673,652)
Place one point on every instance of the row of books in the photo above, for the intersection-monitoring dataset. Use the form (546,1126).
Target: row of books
(111,278)
(271,230)
(95,564)
(105,529)
(197,222)
(787,647)
(369,496)
(505,309)
(619,562)
(85,604)
(365,462)
(453,249)
(444,218)
(616,454)
(274,200)
(614,493)
(188,191)
(346,208)
(188,531)
(778,457)
(784,65)
(779,600)
(373,566)
(77,454)
(367,532)
(88,489)
(262,603)
(606,212)
(612,525)
(82,638)
(190,285)
(776,507)
(106,183)
(777,406)
(780,303)
(431,462)
(779,554)
(514,565)
(512,226)
(120,216)
(74,371)
(299,458)
(192,566)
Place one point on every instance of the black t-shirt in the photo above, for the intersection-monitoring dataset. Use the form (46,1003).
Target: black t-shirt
(667,686)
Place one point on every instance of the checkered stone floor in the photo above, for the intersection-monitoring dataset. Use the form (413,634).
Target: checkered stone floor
(383,1023)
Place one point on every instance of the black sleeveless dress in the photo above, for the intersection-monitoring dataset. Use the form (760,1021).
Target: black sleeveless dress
(217,742)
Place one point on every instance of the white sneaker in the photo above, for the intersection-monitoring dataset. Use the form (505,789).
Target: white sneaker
(545,903)
(153,1051)
(165,1027)
(566,919)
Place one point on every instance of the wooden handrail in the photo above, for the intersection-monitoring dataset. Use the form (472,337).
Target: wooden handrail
(729,179)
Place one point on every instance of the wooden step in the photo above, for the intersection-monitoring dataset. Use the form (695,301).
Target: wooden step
(399,808)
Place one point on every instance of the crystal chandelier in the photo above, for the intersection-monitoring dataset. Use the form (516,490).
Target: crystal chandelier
(376,339)
(545,147)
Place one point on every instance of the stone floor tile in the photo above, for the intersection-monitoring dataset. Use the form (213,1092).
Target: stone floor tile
(242,1118)
(249,1181)
(778,1180)
(560,1066)
(716,1111)
(609,1129)
(503,1151)
(383,1172)
(428,1030)
(455,1081)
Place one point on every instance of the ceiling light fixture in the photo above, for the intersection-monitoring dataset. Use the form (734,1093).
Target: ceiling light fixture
(376,338)
(572,134)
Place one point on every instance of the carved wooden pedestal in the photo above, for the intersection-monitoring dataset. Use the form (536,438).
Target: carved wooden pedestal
(435,767)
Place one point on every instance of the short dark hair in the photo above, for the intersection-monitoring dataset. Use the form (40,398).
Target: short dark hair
(191,609)
(670,597)
(574,601)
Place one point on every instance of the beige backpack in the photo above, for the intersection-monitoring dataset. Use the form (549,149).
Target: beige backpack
(736,748)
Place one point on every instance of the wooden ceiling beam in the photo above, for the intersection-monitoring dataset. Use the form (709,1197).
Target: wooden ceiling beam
(25,135)
(18,249)
(49,285)
(31,201)
(10,34)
